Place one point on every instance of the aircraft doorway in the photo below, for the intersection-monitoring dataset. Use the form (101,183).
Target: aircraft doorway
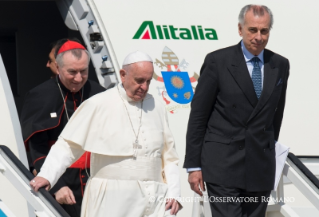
(27,30)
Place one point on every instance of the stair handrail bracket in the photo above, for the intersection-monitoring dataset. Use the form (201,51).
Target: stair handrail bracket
(307,188)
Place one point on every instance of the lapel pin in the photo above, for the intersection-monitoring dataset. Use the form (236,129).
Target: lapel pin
(53,115)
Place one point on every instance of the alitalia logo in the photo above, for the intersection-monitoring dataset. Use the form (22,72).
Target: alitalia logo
(148,30)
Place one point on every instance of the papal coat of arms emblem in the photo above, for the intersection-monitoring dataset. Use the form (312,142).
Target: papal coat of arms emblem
(178,88)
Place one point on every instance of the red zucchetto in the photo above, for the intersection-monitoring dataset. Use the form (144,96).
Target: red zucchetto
(70,45)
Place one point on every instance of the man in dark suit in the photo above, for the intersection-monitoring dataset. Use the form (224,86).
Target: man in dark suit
(235,120)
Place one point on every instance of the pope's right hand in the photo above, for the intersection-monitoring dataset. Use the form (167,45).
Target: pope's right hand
(65,196)
(195,180)
(39,182)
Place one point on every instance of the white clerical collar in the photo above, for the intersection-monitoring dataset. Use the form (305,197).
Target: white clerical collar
(125,96)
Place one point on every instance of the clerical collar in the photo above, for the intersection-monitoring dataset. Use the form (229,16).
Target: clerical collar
(124,95)
(248,56)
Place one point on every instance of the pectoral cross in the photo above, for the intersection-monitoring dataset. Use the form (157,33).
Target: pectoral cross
(135,147)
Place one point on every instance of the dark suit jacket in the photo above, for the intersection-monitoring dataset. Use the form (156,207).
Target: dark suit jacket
(231,134)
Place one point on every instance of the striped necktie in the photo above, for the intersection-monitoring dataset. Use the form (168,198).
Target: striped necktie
(256,76)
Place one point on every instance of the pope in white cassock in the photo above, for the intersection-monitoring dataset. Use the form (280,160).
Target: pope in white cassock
(133,162)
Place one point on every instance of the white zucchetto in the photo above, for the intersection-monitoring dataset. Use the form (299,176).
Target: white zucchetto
(137,56)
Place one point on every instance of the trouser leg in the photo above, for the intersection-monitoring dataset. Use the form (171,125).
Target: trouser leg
(257,206)
(235,202)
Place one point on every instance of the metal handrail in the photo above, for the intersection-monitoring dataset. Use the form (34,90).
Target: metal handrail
(43,203)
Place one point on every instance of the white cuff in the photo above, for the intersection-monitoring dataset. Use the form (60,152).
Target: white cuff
(193,169)
(172,178)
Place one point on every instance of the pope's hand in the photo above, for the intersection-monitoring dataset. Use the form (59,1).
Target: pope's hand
(39,182)
(65,196)
(195,180)
(173,205)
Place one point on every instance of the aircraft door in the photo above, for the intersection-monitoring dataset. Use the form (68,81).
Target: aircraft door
(11,136)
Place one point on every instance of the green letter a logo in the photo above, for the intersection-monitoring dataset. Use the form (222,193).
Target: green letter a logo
(145,34)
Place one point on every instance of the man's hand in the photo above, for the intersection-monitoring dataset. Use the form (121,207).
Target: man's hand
(65,196)
(195,179)
(39,182)
(173,205)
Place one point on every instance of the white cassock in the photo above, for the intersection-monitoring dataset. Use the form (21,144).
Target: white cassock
(120,184)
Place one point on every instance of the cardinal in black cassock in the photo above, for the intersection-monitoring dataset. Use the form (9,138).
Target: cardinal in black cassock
(47,109)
